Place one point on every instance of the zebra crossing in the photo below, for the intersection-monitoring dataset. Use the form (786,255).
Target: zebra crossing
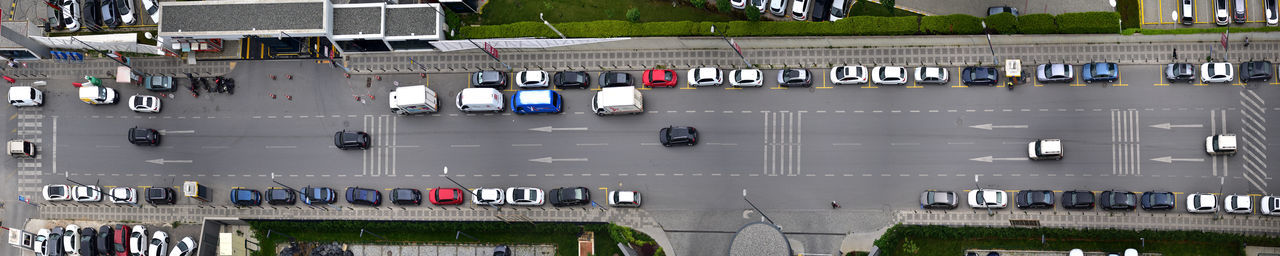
(28,126)
(1126,152)
(1254,139)
(380,158)
(782,144)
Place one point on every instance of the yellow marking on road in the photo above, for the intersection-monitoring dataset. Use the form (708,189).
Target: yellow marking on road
(1079,85)
(1159,10)
(15,115)
(510,87)
(1161,84)
(15,130)
(733,88)
(1120,78)
(961,86)
(1201,84)
(688,88)
(144,187)
(870,86)
(915,86)
(778,88)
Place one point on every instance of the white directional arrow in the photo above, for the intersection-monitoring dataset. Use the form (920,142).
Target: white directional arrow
(549,129)
(990,126)
(161,161)
(549,160)
(167,132)
(989,159)
(1170,159)
(1168,126)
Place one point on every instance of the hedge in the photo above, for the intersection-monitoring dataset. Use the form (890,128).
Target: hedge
(884,26)
(955,24)
(1003,23)
(1039,23)
(899,236)
(399,232)
(1089,23)
(1128,10)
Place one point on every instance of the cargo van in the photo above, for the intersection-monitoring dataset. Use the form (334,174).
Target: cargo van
(1188,12)
(417,99)
(25,96)
(537,101)
(1221,144)
(479,100)
(618,100)
(21,148)
(97,95)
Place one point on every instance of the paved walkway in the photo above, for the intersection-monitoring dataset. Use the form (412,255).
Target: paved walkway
(1046,253)
(447,250)
(1243,224)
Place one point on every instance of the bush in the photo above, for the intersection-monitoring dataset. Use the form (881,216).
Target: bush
(1089,23)
(1003,23)
(1039,23)
(882,26)
(950,24)
(753,13)
(723,6)
(699,3)
(633,14)
(895,240)
(1129,16)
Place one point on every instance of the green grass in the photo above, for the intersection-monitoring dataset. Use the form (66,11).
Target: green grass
(564,238)
(1128,10)
(939,240)
(867,8)
(1175,248)
(510,11)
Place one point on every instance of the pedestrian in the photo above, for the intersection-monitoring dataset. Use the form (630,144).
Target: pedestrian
(1246,41)
(1175,53)
(835,205)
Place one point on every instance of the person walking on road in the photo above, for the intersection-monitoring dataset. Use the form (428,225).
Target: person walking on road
(835,205)
(1175,54)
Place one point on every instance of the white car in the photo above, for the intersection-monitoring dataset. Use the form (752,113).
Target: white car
(126,12)
(87,193)
(889,75)
(1202,203)
(184,247)
(1270,205)
(138,240)
(778,8)
(849,75)
(152,7)
(532,79)
(1242,204)
(738,4)
(988,198)
(624,198)
(1216,72)
(1270,7)
(746,78)
(705,76)
(761,4)
(487,196)
(71,15)
(71,240)
(931,75)
(42,242)
(1045,149)
(800,9)
(57,192)
(1220,12)
(525,196)
(144,103)
(159,243)
(124,195)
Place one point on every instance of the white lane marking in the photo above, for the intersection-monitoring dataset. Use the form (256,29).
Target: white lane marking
(593,144)
(270,147)
(959,143)
(846,144)
(464,146)
(526,145)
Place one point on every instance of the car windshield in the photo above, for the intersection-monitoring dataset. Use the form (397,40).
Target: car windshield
(120,247)
(575,193)
(837,12)
(1222,4)
(182,246)
(244,194)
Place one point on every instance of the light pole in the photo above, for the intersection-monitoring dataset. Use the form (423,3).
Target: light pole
(753,206)
(464,188)
(362,231)
(306,191)
(553,28)
(975,184)
(731,45)
(989,46)
(1217,213)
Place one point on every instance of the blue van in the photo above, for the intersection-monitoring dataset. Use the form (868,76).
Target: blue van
(537,101)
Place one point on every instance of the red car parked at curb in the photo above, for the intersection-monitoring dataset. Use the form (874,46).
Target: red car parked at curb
(659,78)
(445,196)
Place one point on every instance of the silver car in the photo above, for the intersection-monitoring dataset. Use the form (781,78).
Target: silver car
(1047,73)
(779,8)
(938,200)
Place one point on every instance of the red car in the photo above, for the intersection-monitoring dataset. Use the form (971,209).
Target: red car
(120,240)
(660,77)
(445,196)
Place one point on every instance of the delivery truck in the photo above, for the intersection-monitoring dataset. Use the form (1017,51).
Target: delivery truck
(618,100)
(537,101)
(417,99)
(25,96)
(97,95)
(21,149)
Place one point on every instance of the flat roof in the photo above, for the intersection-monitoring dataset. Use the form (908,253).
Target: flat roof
(358,20)
(413,21)
(236,18)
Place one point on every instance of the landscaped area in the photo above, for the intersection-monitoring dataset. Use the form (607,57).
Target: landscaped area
(562,235)
(940,240)
(509,11)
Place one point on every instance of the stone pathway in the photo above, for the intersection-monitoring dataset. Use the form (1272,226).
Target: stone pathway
(1243,224)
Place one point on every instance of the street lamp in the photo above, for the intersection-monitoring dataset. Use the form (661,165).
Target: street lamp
(553,28)
(989,46)
(732,45)
(753,206)
(464,188)
(1217,214)
(975,184)
(306,191)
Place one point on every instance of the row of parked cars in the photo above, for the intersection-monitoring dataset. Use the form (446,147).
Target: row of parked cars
(523,196)
(1107,200)
(814,10)
(103,13)
(108,240)
(1219,72)
(1238,12)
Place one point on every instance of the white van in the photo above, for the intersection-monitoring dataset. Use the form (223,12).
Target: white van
(1188,12)
(1221,144)
(97,95)
(479,100)
(618,100)
(25,96)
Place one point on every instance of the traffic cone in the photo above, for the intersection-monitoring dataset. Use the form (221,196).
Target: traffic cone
(290,77)
(379,78)
(289,97)
(273,95)
(422,75)
(357,98)
(273,77)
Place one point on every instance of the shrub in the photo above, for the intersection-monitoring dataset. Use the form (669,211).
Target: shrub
(1128,10)
(1039,23)
(753,13)
(1003,23)
(1089,23)
(889,4)
(633,14)
(950,24)
(883,26)
(723,6)
(699,3)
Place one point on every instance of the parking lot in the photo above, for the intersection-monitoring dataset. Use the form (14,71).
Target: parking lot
(1166,14)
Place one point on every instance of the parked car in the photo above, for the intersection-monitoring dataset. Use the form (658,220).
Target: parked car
(800,9)
(839,9)
(144,104)
(41,244)
(318,196)
(1202,203)
(1157,200)
(705,76)
(1252,71)
(489,79)
(746,78)
(71,240)
(678,135)
(120,240)
(158,83)
(795,77)
(624,198)
(138,240)
(487,196)
(738,4)
(1271,8)
(445,196)
(890,75)
(1216,72)
(144,136)
(1077,199)
(89,193)
(281,196)
(110,13)
(152,7)
(54,244)
(1239,15)
(70,16)
(1118,200)
(564,196)
(1180,72)
(659,78)
(849,75)
(161,195)
(126,12)
(1239,204)
(1035,199)
(1055,73)
(1100,72)
(532,79)
(979,76)
(124,195)
(245,197)
(406,196)
(1270,205)
(988,198)
(820,10)
(91,14)
(364,196)
(778,8)
(88,236)
(525,196)
(58,192)
(1220,12)
(345,140)
(933,199)
(1002,9)
(932,75)
(1188,13)
(186,247)
(614,79)
(571,79)
(762,5)
(159,242)
(105,242)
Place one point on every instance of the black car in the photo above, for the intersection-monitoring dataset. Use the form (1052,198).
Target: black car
(161,195)
(406,196)
(1118,200)
(1180,72)
(612,79)
(979,76)
(87,238)
(570,196)
(502,250)
(678,135)
(489,79)
(351,140)
(1002,9)
(1255,71)
(571,79)
(795,77)
(1035,199)
(1077,199)
(364,196)
(281,196)
(245,197)
(55,242)
(110,14)
(318,196)
(90,13)
(104,240)
(144,136)
(821,10)
(1157,200)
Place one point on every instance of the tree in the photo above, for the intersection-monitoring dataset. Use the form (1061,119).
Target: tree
(633,15)
(888,4)
(723,6)
(699,3)
(753,13)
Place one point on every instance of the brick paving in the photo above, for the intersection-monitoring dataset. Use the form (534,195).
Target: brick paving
(1244,224)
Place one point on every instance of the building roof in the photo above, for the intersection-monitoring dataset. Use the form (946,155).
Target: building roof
(214,19)
(358,20)
(413,21)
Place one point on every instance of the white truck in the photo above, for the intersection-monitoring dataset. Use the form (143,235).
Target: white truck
(618,100)
(21,148)
(416,99)
(1221,144)
(25,96)
(97,95)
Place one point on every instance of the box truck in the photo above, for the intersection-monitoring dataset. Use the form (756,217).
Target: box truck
(417,99)
(618,100)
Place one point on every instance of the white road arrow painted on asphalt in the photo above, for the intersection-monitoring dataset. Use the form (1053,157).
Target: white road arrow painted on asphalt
(167,132)
(1170,159)
(161,161)
(989,159)
(549,129)
(550,160)
(1168,126)
(990,126)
